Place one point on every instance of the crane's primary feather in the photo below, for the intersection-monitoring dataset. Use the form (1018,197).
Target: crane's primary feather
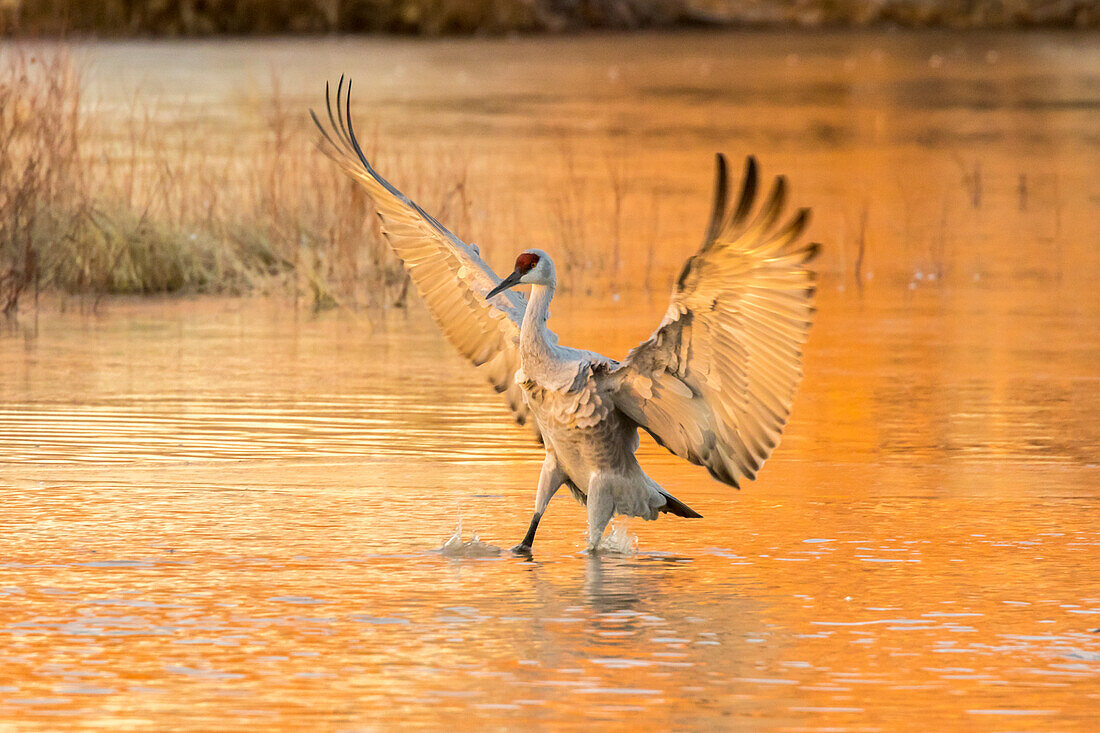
(715,382)
(449,274)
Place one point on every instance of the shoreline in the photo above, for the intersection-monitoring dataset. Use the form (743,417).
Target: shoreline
(72,20)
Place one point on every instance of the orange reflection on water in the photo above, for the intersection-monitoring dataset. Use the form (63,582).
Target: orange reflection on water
(270,560)
(227,514)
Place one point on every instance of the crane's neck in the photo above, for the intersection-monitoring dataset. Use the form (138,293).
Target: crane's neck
(534,337)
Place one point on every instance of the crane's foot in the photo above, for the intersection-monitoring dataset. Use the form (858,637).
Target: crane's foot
(524,548)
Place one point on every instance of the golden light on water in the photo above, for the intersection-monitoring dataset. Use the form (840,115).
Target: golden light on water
(226,513)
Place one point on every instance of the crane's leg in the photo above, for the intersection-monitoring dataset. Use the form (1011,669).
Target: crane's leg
(601,507)
(550,480)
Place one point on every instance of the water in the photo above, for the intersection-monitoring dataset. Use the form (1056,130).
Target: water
(227,513)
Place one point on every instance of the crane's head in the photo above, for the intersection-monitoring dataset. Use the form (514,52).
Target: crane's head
(533,267)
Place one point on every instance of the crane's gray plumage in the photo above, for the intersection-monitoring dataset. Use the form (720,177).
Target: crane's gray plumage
(713,384)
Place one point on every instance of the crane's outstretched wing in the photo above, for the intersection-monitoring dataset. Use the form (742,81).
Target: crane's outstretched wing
(715,381)
(450,274)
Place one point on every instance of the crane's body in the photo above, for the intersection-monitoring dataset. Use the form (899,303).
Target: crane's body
(589,442)
(713,384)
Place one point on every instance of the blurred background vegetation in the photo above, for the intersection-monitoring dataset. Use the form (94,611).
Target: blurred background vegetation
(124,204)
(435,17)
(130,203)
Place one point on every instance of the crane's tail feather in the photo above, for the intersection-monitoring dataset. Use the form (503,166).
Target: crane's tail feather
(677,507)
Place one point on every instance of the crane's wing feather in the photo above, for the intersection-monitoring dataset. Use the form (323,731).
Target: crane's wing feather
(715,381)
(449,274)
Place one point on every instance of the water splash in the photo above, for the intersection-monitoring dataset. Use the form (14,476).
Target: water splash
(471,548)
(619,540)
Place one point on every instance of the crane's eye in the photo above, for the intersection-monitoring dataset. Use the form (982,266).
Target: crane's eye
(526,262)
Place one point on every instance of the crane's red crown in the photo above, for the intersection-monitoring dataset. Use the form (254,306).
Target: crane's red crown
(526,262)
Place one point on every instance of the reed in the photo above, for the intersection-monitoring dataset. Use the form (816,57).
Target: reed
(41,182)
(94,203)
(93,206)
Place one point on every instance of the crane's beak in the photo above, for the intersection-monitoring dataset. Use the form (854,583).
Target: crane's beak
(506,283)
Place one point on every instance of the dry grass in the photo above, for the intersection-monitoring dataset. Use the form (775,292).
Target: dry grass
(91,206)
(41,181)
(142,202)
(604,220)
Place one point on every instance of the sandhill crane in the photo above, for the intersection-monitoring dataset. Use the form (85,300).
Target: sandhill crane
(713,384)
